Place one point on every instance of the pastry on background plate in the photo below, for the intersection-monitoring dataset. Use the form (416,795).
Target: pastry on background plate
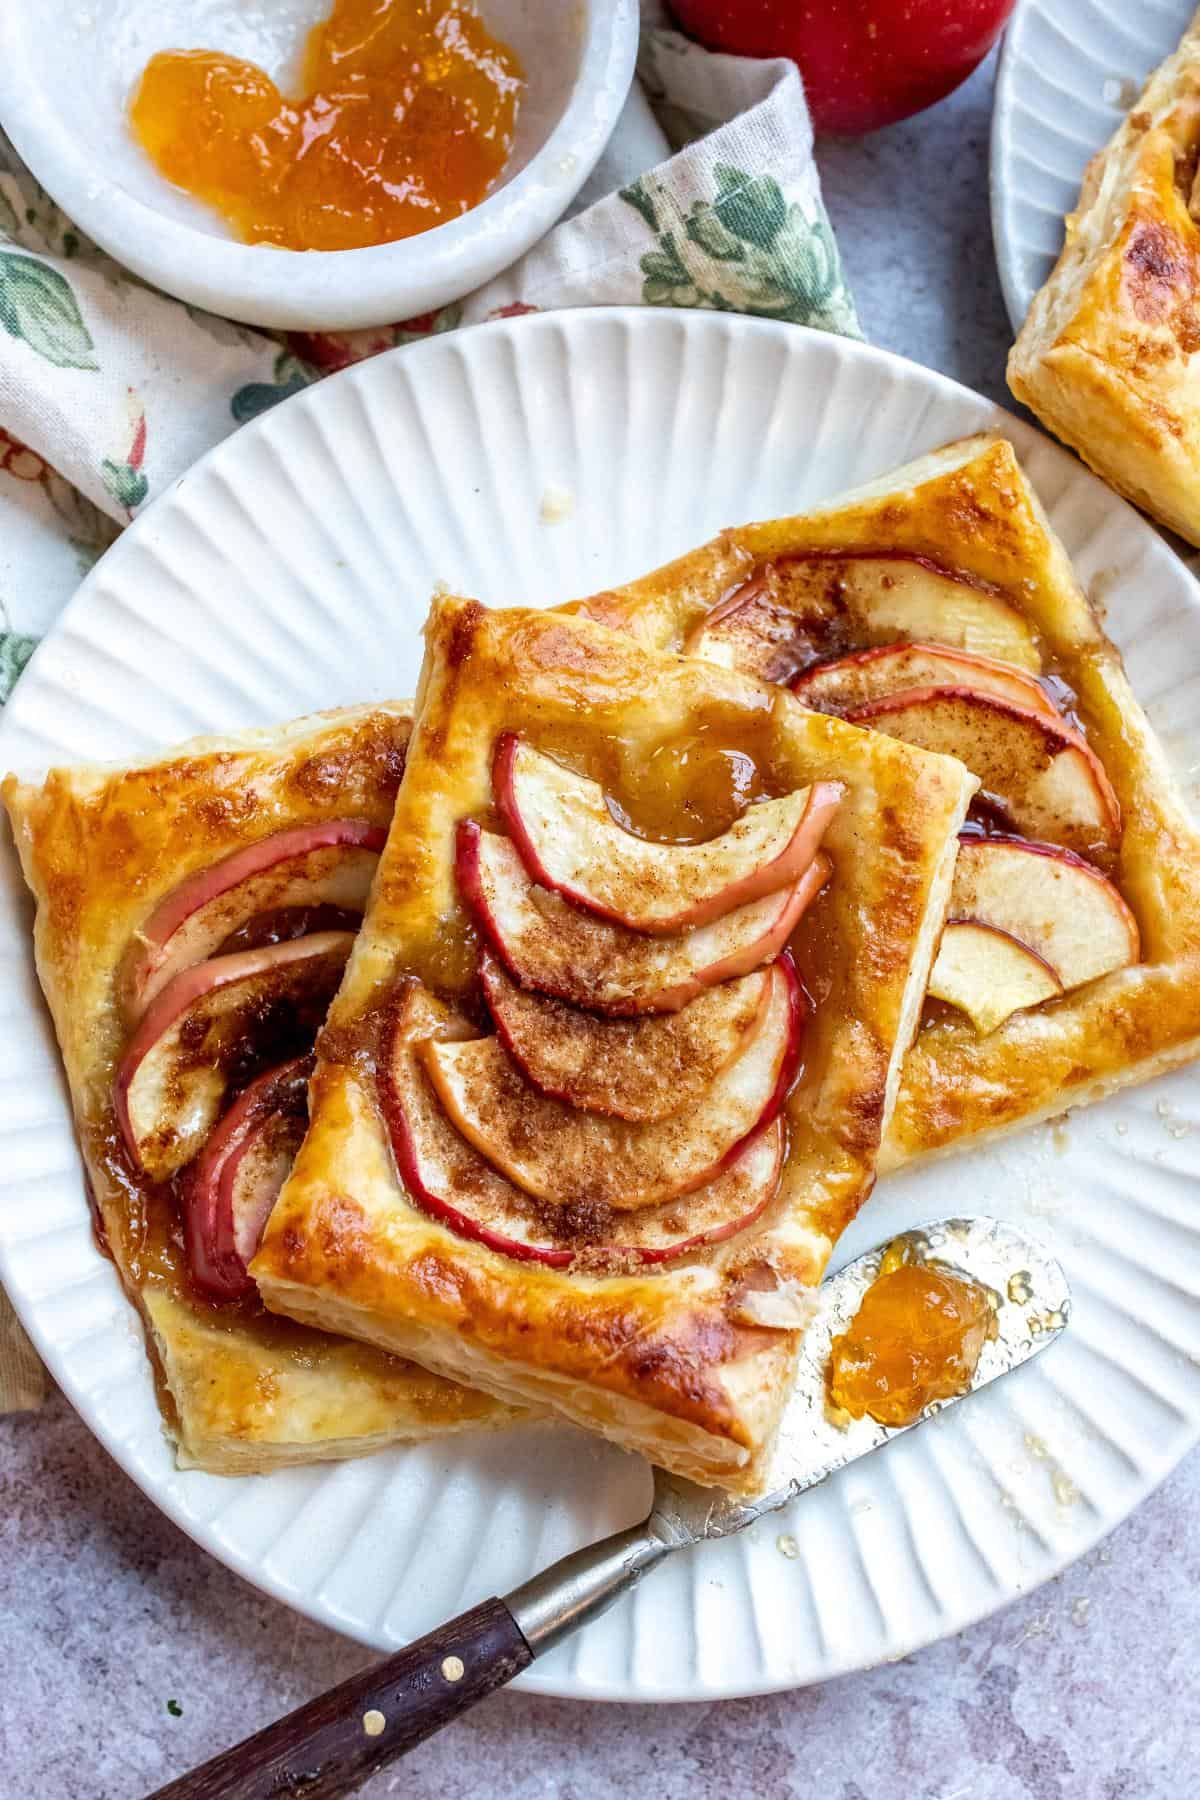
(194,915)
(1108,354)
(937,605)
(615,1048)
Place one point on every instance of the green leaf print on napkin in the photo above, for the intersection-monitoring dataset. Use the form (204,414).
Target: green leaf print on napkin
(38,307)
(15,651)
(291,377)
(747,250)
(126,478)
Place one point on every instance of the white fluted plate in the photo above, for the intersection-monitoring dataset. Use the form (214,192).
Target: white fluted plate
(291,570)
(1069,72)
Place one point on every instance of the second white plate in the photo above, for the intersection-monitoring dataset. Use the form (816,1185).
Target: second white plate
(290,571)
(1069,71)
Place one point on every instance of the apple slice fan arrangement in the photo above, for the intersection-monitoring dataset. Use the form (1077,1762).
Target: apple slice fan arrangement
(528,1047)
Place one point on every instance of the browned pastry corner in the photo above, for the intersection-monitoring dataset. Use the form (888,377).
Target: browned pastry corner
(1107,356)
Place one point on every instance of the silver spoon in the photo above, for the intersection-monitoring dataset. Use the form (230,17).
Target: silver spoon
(324,1749)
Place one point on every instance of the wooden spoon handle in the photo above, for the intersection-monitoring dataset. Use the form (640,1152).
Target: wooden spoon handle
(323,1750)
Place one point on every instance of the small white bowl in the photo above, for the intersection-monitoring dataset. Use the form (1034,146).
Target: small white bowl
(67,68)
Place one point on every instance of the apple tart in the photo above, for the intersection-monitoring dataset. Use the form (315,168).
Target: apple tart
(194,916)
(613,1053)
(1107,357)
(937,605)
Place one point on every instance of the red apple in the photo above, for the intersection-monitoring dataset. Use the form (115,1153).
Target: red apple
(637,1069)
(449,1180)
(173,1077)
(547,944)
(230,1189)
(1040,769)
(865,63)
(573,1158)
(326,864)
(570,842)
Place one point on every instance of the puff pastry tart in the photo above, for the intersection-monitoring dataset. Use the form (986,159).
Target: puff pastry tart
(193,919)
(1107,356)
(613,1053)
(938,606)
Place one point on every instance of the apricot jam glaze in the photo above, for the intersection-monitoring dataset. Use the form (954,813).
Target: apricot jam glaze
(406,118)
(916,1338)
(683,788)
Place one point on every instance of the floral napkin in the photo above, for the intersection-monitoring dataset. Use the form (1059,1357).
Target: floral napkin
(109,390)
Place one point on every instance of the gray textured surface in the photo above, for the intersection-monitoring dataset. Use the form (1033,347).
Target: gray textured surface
(1083,1691)
(910,209)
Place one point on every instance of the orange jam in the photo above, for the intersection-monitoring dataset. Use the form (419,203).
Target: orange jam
(916,1338)
(680,789)
(406,118)
(686,791)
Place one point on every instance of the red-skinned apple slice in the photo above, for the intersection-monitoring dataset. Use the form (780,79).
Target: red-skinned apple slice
(788,613)
(637,1069)
(572,1158)
(570,843)
(1040,769)
(988,974)
(173,1076)
(547,944)
(1057,904)
(867,675)
(231,1187)
(326,864)
(450,1181)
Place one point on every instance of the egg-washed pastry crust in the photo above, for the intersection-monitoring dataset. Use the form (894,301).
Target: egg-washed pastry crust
(240,1391)
(662,1361)
(1107,356)
(968,507)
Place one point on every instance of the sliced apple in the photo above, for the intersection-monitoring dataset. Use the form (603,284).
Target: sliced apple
(754,630)
(989,975)
(448,1179)
(576,1158)
(230,1189)
(637,1069)
(547,944)
(1040,769)
(570,842)
(802,607)
(327,864)
(851,681)
(207,1021)
(1057,904)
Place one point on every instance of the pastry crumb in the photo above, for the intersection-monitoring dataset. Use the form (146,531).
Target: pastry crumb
(558,503)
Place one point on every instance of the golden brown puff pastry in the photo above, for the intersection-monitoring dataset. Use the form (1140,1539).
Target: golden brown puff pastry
(689,1362)
(1107,356)
(968,510)
(241,1391)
